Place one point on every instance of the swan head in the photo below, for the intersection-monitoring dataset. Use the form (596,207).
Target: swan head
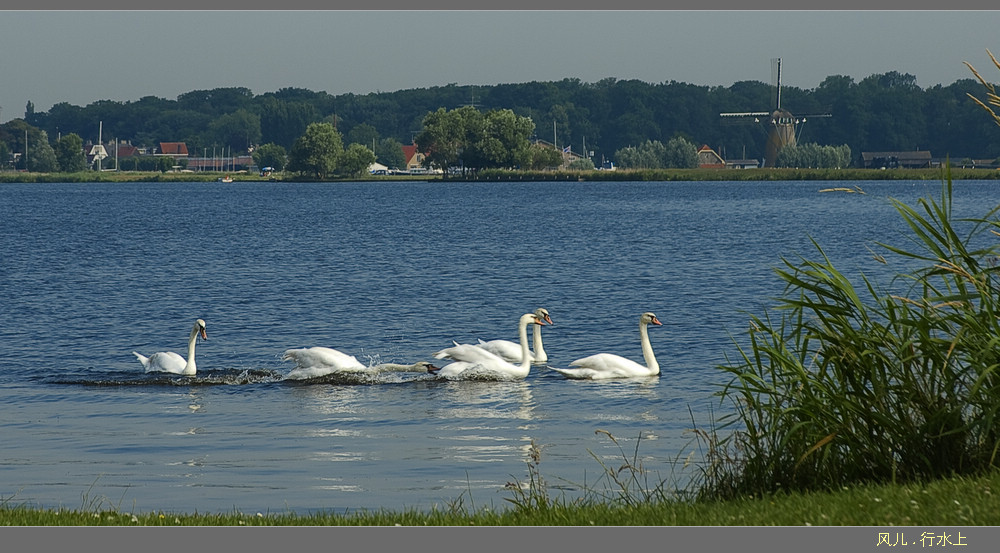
(649,318)
(425,365)
(543,314)
(531,318)
(199,327)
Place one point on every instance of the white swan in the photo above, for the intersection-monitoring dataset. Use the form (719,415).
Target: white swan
(607,365)
(170,362)
(511,351)
(320,361)
(472,361)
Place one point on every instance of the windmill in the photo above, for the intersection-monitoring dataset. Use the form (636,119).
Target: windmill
(781,126)
(98,152)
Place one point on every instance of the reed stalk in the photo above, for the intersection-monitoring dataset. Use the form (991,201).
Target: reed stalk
(846,384)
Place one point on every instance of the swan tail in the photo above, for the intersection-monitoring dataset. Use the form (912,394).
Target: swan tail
(142,358)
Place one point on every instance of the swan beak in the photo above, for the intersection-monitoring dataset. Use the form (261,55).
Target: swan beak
(204,336)
(548,319)
(432,369)
(656,321)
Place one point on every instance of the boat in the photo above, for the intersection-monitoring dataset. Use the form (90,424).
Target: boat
(226,178)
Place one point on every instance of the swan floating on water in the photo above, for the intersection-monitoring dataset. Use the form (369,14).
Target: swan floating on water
(170,362)
(474,362)
(608,365)
(320,361)
(510,351)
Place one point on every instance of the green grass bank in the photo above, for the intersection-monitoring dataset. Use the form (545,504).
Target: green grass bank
(959,501)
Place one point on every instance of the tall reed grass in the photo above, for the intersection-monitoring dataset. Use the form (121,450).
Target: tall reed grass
(992,98)
(844,384)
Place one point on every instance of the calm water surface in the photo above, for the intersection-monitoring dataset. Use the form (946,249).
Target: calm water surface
(386,272)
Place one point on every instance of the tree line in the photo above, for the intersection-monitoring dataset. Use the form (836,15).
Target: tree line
(609,118)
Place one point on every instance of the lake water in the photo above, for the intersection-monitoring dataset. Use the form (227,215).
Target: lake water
(385,272)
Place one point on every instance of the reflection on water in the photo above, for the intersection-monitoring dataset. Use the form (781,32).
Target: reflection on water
(472,400)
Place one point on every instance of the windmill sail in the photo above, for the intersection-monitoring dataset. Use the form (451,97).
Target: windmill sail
(781,126)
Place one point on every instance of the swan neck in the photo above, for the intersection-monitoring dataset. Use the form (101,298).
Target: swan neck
(395,367)
(536,340)
(190,368)
(647,349)
(522,332)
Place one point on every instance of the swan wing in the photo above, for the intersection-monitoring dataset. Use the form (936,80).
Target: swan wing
(453,370)
(505,349)
(587,374)
(165,361)
(320,357)
(469,353)
(610,365)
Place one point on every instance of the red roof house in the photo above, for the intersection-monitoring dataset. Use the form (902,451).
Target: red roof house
(175,149)
(707,158)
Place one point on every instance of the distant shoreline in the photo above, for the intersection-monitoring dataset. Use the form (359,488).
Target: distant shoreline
(655,175)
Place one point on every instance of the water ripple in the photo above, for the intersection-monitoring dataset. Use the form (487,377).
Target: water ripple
(388,272)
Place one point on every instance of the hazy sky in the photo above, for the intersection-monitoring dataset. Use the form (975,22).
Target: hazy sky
(83,56)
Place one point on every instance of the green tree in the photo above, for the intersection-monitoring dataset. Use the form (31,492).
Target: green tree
(282,122)
(467,137)
(355,160)
(680,153)
(166,164)
(474,150)
(216,101)
(507,134)
(363,134)
(41,156)
(648,155)
(542,158)
(17,133)
(69,153)
(270,155)
(238,130)
(441,138)
(148,163)
(317,151)
(390,153)
(29,113)
(812,155)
